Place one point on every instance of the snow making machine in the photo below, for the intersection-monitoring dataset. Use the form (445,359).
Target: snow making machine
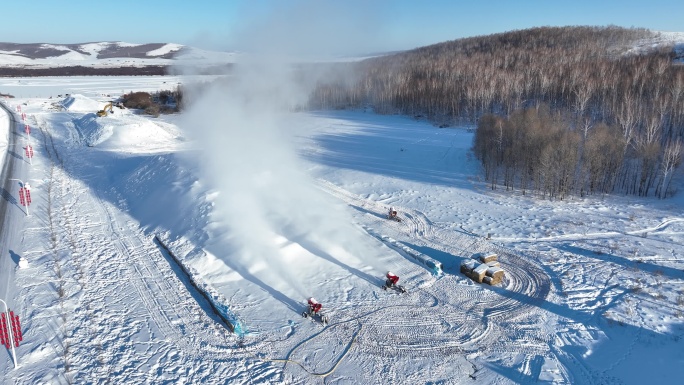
(391,283)
(392,214)
(314,311)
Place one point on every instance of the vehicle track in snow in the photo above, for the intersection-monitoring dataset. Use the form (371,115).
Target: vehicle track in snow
(120,270)
(652,232)
(467,314)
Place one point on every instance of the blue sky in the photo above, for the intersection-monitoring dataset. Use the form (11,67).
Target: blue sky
(366,26)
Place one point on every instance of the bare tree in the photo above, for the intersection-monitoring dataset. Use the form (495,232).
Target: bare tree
(672,158)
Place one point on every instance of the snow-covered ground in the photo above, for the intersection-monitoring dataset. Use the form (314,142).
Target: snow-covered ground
(94,87)
(594,287)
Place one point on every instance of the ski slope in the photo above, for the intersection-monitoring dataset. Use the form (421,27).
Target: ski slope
(593,290)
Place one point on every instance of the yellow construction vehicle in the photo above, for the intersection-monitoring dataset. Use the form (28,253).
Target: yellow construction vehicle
(103,112)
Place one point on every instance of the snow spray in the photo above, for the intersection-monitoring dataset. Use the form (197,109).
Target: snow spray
(243,126)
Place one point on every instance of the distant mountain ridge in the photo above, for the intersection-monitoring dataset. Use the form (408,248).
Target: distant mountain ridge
(101,50)
(16,57)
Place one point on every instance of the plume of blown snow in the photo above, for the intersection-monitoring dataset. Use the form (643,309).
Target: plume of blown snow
(243,126)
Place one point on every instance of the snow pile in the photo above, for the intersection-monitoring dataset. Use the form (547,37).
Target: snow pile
(136,135)
(130,134)
(120,129)
(92,130)
(80,103)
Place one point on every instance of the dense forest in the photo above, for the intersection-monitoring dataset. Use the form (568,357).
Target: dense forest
(82,71)
(559,111)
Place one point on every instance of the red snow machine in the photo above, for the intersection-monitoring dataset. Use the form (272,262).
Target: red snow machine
(391,283)
(392,214)
(314,310)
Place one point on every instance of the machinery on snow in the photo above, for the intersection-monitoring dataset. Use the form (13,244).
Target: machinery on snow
(392,214)
(314,311)
(391,283)
(107,108)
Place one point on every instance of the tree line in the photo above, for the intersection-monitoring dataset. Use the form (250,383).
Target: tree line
(536,150)
(153,70)
(568,91)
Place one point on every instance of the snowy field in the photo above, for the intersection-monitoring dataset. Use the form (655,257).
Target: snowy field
(95,87)
(593,293)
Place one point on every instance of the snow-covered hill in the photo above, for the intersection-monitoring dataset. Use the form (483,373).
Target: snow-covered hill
(105,54)
(660,39)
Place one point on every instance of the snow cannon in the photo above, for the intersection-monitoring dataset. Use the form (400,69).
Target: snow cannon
(391,283)
(314,311)
(392,214)
(314,305)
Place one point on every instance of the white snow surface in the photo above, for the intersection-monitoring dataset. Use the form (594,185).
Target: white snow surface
(167,48)
(593,293)
(661,38)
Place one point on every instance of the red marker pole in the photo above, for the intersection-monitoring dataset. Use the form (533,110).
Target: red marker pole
(7,329)
(27,197)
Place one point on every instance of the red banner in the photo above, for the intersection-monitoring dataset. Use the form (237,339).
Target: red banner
(22,201)
(4,334)
(16,329)
(18,336)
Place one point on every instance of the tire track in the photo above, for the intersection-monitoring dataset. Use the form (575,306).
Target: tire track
(476,313)
(124,272)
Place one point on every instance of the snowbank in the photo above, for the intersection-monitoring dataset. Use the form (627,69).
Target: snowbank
(120,129)
(217,301)
(80,103)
